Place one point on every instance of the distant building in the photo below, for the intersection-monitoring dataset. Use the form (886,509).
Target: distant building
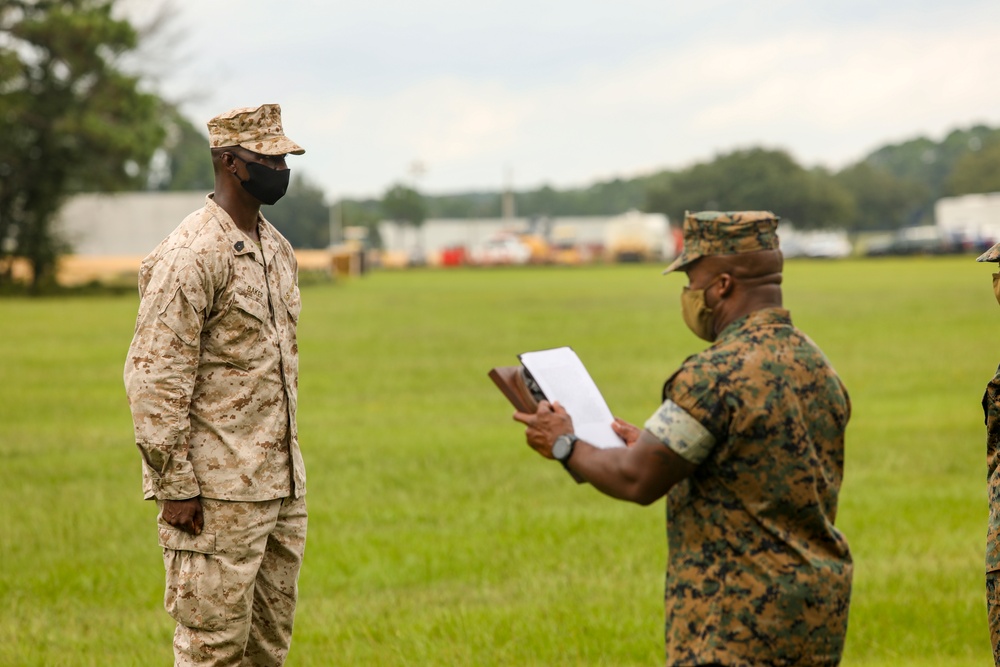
(110,233)
(972,218)
(123,224)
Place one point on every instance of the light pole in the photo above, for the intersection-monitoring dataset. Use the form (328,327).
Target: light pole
(336,223)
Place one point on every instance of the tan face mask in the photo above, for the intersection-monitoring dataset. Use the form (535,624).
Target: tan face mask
(996,286)
(699,318)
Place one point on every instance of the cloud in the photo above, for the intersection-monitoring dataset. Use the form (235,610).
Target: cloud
(571,95)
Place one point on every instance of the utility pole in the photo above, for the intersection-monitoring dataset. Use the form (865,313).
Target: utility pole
(507,204)
(336,223)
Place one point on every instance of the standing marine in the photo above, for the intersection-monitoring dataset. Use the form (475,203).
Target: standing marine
(212,382)
(991,414)
(747,445)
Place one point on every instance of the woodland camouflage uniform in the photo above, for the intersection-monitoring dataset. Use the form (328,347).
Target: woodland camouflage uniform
(757,574)
(991,413)
(991,410)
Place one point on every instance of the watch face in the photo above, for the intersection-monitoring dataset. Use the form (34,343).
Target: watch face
(562,447)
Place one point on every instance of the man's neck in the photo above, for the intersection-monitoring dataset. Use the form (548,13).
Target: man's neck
(758,299)
(243,213)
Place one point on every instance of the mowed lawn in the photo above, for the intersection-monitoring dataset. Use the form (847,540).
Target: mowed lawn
(436,536)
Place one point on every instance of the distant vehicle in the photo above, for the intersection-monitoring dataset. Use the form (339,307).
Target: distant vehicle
(639,237)
(564,247)
(499,250)
(820,244)
(538,247)
(454,256)
(924,240)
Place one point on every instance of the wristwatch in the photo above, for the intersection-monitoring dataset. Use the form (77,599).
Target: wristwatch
(562,448)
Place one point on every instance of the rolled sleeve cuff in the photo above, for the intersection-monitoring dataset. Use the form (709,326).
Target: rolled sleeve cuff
(681,432)
(176,485)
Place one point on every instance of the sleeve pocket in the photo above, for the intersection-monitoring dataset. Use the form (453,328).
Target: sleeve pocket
(293,302)
(181,317)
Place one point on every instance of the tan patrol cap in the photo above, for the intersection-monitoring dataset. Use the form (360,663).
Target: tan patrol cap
(730,233)
(256,129)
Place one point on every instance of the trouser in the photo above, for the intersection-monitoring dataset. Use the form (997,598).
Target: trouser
(993,612)
(232,589)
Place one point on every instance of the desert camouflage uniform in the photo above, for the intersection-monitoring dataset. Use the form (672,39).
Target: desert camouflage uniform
(212,377)
(991,411)
(758,574)
(232,589)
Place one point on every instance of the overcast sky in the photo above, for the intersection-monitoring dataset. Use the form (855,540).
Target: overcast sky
(568,92)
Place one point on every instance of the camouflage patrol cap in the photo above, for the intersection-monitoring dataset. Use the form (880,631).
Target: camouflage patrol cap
(256,129)
(991,255)
(730,233)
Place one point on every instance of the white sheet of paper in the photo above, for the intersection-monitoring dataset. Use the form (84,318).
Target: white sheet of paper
(563,377)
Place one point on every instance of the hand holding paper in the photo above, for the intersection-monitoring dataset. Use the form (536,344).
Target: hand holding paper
(627,432)
(563,378)
(544,425)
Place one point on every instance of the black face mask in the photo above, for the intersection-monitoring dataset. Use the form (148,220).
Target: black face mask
(266,184)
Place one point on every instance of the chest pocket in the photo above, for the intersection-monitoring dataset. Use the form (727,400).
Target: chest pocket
(236,336)
(245,324)
(250,306)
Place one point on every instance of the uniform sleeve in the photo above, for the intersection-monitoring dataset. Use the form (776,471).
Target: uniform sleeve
(160,371)
(991,415)
(681,432)
(692,419)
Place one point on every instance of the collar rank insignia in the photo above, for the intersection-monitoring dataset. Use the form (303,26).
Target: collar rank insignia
(238,246)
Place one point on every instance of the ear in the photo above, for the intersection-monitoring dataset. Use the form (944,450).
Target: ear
(229,160)
(726,285)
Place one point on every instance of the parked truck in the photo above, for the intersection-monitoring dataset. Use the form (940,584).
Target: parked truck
(639,237)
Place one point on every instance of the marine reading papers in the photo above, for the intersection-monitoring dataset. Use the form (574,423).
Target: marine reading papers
(562,378)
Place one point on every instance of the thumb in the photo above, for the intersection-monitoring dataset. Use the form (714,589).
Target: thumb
(198,520)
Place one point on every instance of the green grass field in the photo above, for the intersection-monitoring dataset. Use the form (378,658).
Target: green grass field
(436,536)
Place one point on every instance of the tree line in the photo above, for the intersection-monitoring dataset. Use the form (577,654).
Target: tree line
(895,186)
(75,118)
